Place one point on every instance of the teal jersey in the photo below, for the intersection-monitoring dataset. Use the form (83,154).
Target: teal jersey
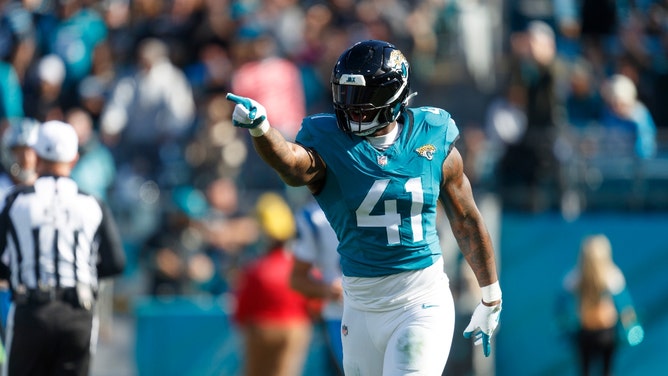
(382,204)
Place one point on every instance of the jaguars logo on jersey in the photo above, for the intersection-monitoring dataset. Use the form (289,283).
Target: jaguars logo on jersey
(426,151)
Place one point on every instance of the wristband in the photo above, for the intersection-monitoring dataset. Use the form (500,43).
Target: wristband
(260,130)
(491,293)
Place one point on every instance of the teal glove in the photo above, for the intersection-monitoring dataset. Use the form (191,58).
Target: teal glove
(247,113)
(482,325)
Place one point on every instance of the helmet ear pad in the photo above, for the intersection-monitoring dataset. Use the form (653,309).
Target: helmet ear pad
(371,77)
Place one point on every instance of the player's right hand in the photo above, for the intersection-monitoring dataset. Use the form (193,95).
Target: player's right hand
(247,112)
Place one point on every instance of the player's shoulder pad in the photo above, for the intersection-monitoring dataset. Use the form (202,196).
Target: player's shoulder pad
(438,119)
(432,116)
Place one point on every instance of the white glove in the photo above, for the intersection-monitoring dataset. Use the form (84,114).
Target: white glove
(247,113)
(482,325)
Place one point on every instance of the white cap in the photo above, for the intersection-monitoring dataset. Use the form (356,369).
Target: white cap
(622,89)
(57,142)
(51,69)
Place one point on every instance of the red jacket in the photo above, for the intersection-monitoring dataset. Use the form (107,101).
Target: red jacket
(264,294)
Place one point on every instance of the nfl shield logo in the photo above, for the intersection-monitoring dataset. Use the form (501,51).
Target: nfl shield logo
(382,160)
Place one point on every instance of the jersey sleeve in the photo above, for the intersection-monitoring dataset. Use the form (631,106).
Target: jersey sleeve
(451,134)
(304,135)
(318,129)
(439,123)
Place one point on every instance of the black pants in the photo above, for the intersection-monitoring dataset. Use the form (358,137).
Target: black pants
(52,338)
(597,345)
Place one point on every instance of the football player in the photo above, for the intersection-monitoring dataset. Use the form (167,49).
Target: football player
(378,169)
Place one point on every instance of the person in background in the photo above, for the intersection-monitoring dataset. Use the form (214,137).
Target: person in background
(79,27)
(626,116)
(584,104)
(95,172)
(17,155)
(174,255)
(44,89)
(601,302)
(56,243)
(529,173)
(379,169)
(11,94)
(316,272)
(18,168)
(17,50)
(261,72)
(149,113)
(229,228)
(273,318)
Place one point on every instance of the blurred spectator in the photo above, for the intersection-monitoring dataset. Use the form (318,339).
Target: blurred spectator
(478,32)
(261,73)
(316,273)
(219,21)
(505,125)
(95,89)
(19,162)
(174,22)
(18,40)
(626,117)
(120,39)
(228,229)
(523,12)
(314,58)
(529,168)
(584,105)
(95,172)
(599,20)
(174,255)
(275,81)
(274,319)
(92,98)
(596,303)
(44,89)
(16,51)
(11,96)
(217,148)
(78,30)
(149,113)
(212,71)
(17,155)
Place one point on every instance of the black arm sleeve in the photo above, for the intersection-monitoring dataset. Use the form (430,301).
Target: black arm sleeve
(112,255)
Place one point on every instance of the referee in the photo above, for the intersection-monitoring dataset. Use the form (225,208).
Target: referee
(55,242)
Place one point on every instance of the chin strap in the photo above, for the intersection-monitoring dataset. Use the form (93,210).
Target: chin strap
(409,97)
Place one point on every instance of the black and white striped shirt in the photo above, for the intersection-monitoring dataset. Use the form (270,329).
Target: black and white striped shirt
(52,235)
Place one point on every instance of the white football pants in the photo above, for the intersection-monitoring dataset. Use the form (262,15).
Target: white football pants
(411,338)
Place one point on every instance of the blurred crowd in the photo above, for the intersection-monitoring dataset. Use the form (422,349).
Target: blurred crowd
(544,91)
